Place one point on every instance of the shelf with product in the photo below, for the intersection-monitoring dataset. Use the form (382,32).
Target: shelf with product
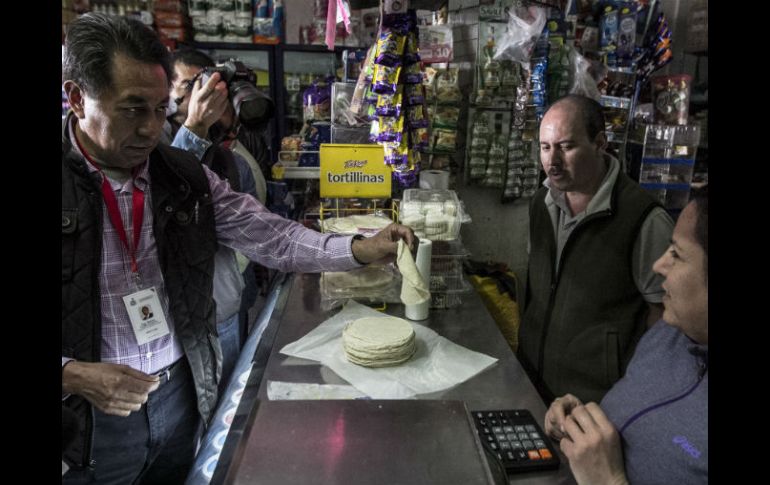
(522,64)
(668,162)
(415,4)
(319,114)
(487,149)
(286,72)
(304,74)
(674,151)
(300,80)
(313,85)
(304,94)
(699,117)
(347,127)
(497,85)
(617,91)
(298,69)
(625,43)
(698,113)
(444,103)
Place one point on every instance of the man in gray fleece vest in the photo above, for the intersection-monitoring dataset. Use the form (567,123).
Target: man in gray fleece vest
(594,234)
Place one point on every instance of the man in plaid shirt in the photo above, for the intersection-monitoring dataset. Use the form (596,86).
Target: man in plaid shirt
(140,226)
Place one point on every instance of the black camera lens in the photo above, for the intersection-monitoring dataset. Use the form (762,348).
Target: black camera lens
(251,105)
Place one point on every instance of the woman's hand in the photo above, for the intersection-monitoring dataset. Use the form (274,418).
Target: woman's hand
(592,446)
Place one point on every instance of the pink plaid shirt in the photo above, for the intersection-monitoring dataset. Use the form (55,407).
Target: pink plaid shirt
(242,223)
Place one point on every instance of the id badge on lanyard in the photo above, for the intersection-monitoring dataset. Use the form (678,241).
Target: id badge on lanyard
(146,314)
(142,304)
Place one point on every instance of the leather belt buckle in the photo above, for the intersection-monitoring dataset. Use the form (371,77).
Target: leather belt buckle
(166,373)
(169,371)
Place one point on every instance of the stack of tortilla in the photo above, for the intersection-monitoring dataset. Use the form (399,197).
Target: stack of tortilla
(379,341)
(355,224)
(370,280)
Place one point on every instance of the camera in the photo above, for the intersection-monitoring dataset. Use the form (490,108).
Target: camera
(252,107)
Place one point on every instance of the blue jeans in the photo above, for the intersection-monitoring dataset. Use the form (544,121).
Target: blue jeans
(155,445)
(230,341)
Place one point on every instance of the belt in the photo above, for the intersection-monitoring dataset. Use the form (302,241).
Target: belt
(170,371)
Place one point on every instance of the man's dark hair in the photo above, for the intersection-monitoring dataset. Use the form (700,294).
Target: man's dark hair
(94,39)
(191,57)
(590,112)
(701,199)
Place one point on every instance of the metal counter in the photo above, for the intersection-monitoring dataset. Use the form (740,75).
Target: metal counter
(505,385)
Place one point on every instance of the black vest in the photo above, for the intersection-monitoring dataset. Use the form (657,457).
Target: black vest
(580,326)
(186,242)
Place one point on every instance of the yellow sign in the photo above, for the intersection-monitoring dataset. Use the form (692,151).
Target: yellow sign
(354,171)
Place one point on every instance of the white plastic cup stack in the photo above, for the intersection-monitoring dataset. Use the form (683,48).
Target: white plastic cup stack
(424,252)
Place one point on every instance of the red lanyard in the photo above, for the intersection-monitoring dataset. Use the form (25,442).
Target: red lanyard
(114,212)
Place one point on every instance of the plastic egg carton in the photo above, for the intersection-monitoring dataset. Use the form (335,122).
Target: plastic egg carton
(434,214)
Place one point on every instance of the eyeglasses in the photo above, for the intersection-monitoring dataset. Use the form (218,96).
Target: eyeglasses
(188,86)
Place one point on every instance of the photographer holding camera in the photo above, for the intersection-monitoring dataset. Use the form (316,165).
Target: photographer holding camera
(213,103)
(205,117)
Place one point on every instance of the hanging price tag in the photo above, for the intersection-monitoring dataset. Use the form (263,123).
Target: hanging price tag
(436,43)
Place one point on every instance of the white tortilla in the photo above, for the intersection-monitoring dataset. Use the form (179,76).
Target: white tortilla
(414,288)
(378,341)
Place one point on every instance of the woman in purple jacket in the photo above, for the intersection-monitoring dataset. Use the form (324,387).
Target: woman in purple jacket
(652,426)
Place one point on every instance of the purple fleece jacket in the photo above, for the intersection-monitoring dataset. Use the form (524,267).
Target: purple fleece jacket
(660,408)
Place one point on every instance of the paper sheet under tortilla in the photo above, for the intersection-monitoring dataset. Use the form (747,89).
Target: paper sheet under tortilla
(438,363)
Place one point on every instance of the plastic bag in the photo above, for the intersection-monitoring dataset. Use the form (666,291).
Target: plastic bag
(520,38)
(583,82)
(317,102)
(373,284)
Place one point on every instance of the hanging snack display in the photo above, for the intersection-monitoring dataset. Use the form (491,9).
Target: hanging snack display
(654,54)
(522,177)
(480,134)
(442,93)
(447,86)
(391,96)
(539,80)
(493,176)
(510,92)
(558,62)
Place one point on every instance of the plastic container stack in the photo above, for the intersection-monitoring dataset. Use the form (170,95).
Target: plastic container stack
(437,215)
(347,127)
